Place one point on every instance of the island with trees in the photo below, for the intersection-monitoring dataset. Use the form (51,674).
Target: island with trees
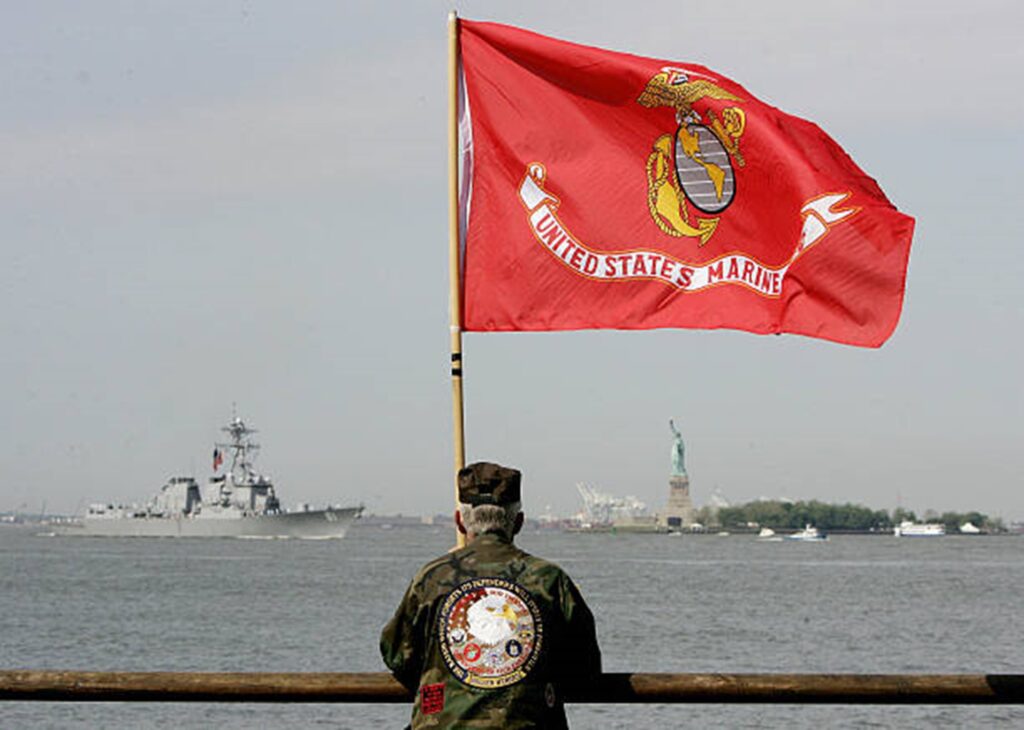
(790,515)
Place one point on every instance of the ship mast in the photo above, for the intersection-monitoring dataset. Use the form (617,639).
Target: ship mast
(243,451)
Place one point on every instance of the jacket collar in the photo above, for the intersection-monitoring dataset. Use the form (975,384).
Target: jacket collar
(492,537)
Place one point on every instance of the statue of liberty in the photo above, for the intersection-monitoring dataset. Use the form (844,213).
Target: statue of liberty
(678,452)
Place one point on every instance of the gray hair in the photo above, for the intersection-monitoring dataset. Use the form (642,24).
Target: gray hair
(483,517)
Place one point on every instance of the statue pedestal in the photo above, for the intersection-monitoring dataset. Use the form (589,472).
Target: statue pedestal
(679,513)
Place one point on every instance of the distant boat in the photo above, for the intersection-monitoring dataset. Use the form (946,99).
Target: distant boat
(767,534)
(917,529)
(969,529)
(808,534)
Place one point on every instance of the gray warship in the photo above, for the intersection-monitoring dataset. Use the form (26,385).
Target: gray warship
(238,503)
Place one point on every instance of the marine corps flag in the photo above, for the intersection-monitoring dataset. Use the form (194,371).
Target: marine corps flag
(606,190)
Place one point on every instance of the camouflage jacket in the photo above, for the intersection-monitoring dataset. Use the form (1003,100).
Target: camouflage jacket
(487,636)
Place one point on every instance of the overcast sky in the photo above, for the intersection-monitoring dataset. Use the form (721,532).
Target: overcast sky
(205,203)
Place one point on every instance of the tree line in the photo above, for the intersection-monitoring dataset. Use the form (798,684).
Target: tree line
(795,515)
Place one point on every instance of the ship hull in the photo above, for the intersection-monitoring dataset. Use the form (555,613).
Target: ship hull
(315,524)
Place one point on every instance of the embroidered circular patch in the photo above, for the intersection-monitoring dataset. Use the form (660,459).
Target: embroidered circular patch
(491,632)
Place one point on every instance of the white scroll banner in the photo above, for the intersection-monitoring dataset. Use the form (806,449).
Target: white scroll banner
(735,268)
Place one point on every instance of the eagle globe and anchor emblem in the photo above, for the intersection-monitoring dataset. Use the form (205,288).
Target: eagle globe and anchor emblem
(693,167)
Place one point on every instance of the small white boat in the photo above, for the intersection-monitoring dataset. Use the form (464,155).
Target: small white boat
(808,534)
(916,529)
(767,534)
(969,529)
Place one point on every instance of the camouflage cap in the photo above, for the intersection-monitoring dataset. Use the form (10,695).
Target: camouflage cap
(487,483)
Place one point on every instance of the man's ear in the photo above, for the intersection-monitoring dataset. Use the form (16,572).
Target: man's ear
(458,522)
(519,524)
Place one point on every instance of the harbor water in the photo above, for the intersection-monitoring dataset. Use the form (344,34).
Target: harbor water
(865,604)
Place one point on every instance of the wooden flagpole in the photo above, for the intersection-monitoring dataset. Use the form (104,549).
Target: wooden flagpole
(454,269)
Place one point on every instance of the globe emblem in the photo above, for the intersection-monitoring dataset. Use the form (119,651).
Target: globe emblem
(704,169)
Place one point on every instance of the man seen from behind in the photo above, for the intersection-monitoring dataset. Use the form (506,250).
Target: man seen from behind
(489,636)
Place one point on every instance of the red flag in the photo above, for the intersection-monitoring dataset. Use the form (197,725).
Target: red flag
(606,190)
(218,459)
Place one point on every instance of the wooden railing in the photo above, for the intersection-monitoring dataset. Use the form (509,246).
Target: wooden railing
(854,689)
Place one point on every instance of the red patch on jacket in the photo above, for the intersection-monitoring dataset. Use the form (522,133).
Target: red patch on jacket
(432,698)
